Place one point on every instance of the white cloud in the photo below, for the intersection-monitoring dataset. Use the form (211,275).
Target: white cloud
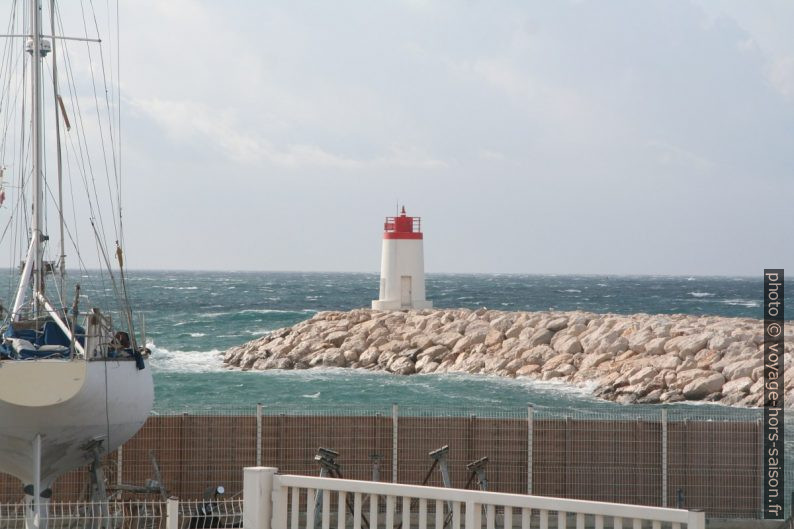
(518,112)
(493,155)
(186,121)
(674,156)
(781,76)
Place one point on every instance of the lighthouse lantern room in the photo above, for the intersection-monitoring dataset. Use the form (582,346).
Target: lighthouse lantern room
(402,267)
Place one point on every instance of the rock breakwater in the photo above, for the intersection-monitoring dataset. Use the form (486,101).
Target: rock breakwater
(636,358)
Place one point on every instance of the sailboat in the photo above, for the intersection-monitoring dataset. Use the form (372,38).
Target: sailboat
(74,382)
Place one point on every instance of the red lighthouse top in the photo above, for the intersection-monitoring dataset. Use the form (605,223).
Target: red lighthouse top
(402,227)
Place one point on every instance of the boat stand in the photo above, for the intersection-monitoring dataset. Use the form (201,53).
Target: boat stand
(376,459)
(97,484)
(439,457)
(326,458)
(151,486)
(36,498)
(477,470)
(330,468)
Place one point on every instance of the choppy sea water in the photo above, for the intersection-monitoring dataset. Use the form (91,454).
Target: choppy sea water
(192,317)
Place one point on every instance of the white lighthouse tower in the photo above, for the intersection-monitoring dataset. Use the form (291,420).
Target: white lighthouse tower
(402,265)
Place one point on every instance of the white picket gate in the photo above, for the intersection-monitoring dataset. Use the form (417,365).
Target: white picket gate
(275,501)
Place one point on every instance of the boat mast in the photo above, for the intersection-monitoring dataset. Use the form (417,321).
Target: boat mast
(35,48)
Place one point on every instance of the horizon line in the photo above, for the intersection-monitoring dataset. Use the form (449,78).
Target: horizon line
(352,272)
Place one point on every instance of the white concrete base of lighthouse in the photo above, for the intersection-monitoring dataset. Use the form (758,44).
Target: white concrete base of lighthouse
(397,305)
(402,276)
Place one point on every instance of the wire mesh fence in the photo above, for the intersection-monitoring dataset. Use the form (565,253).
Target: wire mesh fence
(206,514)
(707,458)
(90,515)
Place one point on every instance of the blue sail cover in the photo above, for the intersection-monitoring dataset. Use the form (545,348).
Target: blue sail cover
(29,343)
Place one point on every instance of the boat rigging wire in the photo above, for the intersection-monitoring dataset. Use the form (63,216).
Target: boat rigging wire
(78,159)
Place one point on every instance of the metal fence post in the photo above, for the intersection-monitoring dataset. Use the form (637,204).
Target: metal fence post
(119,463)
(760,463)
(394,414)
(530,426)
(664,456)
(259,434)
(172,513)
(257,497)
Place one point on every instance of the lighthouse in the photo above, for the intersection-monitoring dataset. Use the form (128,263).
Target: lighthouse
(402,265)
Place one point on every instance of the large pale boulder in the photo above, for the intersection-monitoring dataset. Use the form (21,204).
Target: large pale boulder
(642,375)
(620,345)
(448,339)
(541,337)
(688,375)
(527,370)
(423,341)
(557,324)
(741,369)
(494,337)
(593,360)
(502,323)
(333,357)
(701,387)
(369,357)
(566,370)
(655,346)
(402,366)
(434,354)
(350,356)
(740,385)
(638,340)
(566,344)
(666,361)
(514,331)
(719,342)
(692,344)
(464,344)
(556,361)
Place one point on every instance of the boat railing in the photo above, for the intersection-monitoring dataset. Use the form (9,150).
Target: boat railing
(275,501)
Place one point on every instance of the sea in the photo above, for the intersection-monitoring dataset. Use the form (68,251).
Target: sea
(191,318)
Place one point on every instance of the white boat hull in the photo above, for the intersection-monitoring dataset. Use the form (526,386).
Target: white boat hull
(72,406)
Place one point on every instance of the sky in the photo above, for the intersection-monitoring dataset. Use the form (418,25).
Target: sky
(568,137)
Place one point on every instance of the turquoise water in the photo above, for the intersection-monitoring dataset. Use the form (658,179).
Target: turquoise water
(192,317)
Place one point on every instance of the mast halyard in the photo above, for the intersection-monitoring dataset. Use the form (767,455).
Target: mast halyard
(56,95)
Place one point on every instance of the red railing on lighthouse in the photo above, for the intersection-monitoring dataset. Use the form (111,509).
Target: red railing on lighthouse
(402,227)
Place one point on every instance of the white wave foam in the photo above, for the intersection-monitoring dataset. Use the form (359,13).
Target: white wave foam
(749,303)
(271,311)
(197,334)
(257,332)
(163,360)
(701,294)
